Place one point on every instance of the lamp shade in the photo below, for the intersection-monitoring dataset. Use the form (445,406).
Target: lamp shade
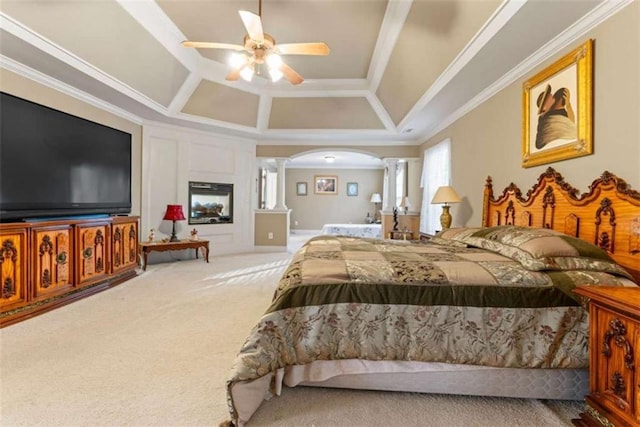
(375,198)
(174,213)
(445,194)
(405,203)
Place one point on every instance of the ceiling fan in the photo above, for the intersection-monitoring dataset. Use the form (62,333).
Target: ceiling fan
(262,49)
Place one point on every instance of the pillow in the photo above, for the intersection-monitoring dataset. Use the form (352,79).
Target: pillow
(538,249)
(444,242)
(456,234)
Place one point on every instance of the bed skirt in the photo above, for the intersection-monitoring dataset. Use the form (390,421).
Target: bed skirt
(419,377)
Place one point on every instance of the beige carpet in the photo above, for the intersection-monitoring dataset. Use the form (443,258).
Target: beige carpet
(156,351)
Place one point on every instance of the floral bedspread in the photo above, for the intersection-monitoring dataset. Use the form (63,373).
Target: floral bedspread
(353,230)
(355,298)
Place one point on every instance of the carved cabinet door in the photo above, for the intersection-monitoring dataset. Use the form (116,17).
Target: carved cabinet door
(615,376)
(636,383)
(124,244)
(13,268)
(52,271)
(92,253)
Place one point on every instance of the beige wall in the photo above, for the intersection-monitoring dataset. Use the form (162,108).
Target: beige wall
(22,87)
(487,141)
(271,224)
(312,211)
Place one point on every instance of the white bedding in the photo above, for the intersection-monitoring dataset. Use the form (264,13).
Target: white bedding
(353,230)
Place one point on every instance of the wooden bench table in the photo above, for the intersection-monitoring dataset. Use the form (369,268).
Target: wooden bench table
(146,247)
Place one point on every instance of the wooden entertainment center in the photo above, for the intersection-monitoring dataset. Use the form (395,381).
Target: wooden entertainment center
(47,264)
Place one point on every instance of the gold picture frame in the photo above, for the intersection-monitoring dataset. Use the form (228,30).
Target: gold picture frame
(557,110)
(325,184)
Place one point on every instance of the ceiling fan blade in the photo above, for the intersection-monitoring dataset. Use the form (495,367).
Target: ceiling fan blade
(233,75)
(303,49)
(211,45)
(253,24)
(290,74)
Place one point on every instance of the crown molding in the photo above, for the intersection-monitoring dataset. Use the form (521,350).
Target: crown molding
(321,137)
(381,112)
(151,126)
(217,123)
(502,15)
(19,30)
(184,93)
(392,24)
(264,112)
(153,19)
(595,17)
(45,80)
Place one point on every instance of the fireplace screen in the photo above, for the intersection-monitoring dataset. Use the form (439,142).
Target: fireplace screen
(210,203)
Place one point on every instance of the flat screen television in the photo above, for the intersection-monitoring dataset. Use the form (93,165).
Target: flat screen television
(53,164)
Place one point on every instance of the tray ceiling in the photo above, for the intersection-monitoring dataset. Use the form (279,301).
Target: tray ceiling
(398,72)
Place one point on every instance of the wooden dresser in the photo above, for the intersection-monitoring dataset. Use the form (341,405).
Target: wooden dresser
(614,357)
(46,264)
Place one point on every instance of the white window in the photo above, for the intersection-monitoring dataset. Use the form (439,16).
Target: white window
(400,187)
(268,185)
(436,172)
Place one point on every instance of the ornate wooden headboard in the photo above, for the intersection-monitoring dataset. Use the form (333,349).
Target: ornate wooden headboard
(608,215)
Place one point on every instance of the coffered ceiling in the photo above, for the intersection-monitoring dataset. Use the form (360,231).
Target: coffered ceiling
(398,71)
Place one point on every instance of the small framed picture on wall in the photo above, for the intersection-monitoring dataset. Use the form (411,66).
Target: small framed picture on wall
(352,188)
(301,188)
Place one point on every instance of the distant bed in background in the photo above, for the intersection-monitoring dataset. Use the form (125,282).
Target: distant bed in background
(373,231)
(481,311)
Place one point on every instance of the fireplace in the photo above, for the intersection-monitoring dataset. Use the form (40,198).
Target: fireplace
(210,203)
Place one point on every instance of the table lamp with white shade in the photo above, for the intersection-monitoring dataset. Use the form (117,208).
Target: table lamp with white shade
(375,199)
(444,196)
(405,204)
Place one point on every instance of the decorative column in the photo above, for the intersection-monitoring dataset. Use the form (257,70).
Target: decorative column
(391,166)
(280,189)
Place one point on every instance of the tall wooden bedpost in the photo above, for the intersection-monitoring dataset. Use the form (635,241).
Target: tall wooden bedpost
(488,195)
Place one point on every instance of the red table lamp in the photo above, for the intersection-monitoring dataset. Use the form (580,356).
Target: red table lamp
(174,213)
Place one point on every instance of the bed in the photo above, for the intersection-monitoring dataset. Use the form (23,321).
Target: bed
(353,230)
(482,311)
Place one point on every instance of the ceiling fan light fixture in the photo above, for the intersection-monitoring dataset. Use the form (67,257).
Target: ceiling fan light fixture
(275,74)
(237,60)
(247,73)
(274,61)
(261,47)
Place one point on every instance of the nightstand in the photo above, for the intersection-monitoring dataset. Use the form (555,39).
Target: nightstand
(400,235)
(614,356)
